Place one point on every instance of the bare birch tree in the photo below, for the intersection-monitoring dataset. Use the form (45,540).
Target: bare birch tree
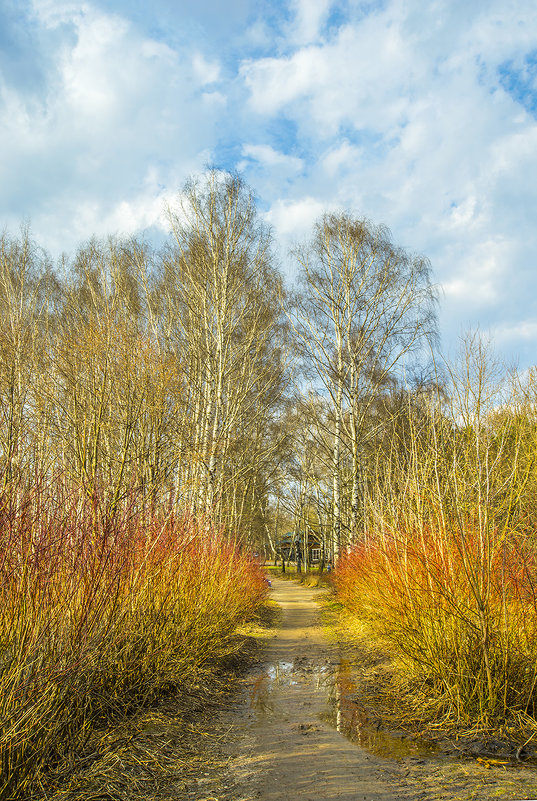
(222,294)
(364,304)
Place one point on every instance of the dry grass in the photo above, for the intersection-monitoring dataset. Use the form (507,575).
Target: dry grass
(156,753)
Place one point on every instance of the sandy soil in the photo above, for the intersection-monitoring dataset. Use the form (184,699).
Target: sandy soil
(288,751)
(281,739)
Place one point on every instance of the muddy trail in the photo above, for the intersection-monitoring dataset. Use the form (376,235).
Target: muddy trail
(297,732)
(293,752)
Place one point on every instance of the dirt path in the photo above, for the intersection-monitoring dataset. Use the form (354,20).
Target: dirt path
(278,740)
(282,740)
(287,750)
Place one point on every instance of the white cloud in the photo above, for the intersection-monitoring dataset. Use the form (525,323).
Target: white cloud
(52,13)
(478,283)
(309,16)
(118,106)
(95,83)
(337,81)
(342,157)
(207,71)
(464,213)
(524,330)
(293,219)
(268,156)
(274,82)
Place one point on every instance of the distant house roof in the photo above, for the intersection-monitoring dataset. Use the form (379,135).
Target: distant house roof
(287,538)
(313,537)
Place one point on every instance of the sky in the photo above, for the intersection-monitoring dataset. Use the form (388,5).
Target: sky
(418,115)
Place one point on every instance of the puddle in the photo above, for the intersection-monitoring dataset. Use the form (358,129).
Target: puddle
(335,684)
(273,691)
(266,687)
(349,716)
(280,670)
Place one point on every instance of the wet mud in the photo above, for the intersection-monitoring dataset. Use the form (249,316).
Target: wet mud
(300,731)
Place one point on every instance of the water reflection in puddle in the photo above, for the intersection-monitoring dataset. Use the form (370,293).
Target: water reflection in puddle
(279,670)
(345,712)
(350,717)
(266,686)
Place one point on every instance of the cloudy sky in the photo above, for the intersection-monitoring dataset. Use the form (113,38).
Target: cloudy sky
(419,115)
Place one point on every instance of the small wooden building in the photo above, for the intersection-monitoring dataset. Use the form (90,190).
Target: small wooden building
(293,543)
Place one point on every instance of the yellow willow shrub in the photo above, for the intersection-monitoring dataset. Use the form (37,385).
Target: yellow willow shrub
(459,612)
(99,616)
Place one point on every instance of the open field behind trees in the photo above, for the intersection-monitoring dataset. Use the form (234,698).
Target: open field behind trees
(163,414)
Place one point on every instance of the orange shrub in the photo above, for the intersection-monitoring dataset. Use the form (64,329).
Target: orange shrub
(459,610)
(100,614)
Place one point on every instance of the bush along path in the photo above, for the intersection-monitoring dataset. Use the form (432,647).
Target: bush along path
(100,617)
(458,612)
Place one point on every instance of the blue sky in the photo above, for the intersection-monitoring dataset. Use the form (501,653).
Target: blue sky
(421,116)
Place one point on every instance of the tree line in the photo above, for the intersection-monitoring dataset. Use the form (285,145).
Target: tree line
(195,377)
(124,369)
